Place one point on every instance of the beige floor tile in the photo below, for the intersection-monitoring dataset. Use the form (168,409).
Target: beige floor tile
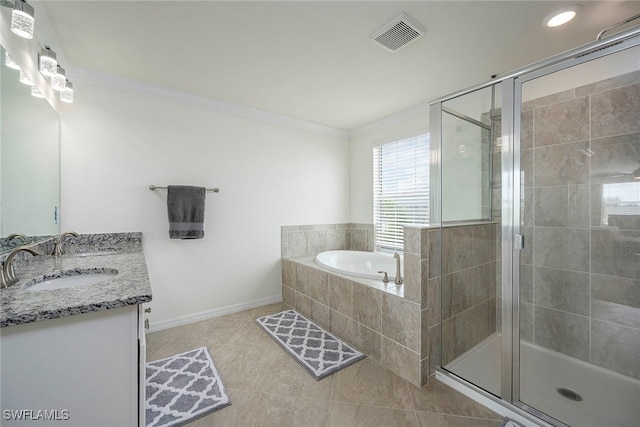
(211,333)
(155,347)
(273,309)
(253,335)
(268,388)
(186,342)
(218,330)
(442,399)
(349,415)
(246,315)
(244,367)
(272,410)
(287,378)
(229,415)
(367,382)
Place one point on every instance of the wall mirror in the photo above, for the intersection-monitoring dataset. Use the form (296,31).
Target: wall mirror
(29,163)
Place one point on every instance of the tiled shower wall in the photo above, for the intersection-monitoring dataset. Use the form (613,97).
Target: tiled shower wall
(580,278)
(464,292)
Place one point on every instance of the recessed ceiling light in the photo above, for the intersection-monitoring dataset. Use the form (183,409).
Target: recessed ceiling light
(561,16)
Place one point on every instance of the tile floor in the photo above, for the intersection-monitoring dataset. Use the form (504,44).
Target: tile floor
(267,388)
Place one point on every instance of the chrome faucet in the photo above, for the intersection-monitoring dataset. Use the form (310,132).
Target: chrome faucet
(18,236)
(57,247)
(8,274)
(385,279)
(398,272)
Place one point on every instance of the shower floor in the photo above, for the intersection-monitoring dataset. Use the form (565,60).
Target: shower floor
(608,398)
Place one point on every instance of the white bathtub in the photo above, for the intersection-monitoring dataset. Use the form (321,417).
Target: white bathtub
(360,264)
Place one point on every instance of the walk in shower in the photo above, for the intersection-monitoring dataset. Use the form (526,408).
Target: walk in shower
(536,186)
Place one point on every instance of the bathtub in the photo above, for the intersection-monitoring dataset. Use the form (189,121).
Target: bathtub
(360,264)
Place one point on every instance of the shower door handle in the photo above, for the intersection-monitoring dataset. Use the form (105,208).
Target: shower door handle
(519,241)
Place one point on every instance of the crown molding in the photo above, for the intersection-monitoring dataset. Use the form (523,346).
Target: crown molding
(50,38)
(410,113)
(139,87)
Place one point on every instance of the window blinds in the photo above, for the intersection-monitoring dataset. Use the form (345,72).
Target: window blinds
(400,189)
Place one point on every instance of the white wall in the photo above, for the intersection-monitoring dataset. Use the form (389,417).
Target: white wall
(115,144)
(362,160)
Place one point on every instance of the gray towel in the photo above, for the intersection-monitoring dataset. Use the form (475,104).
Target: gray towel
(185,206)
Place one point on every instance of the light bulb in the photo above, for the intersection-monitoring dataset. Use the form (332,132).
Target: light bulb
(561,16)
(58,81)
(36,93)
(48,62)
(22,21)
(24,79)
(10,62)
(66,94)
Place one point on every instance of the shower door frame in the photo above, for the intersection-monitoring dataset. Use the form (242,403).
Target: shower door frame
(512,240)
(511,258)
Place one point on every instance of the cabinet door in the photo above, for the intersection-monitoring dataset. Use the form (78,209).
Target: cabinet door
(84,366)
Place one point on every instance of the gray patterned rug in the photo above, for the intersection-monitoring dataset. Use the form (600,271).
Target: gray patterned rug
(182,388)
(315,349)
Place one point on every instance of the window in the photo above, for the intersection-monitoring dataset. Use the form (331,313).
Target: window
(620,203)
(400,189)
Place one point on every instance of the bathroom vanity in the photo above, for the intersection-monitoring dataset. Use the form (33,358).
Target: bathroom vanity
(75,356)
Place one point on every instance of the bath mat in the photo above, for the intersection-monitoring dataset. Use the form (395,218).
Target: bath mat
(182,388)
(315,349)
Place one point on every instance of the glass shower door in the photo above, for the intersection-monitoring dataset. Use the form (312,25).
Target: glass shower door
(579,269)
(471,345)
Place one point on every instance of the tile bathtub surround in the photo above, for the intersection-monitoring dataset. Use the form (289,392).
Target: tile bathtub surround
(580,278)
(303,240)
(380,323)
(268,388)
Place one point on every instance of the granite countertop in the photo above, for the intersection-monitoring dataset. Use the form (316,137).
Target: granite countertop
(119,251)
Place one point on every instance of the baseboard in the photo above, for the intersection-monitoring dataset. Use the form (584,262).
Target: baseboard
(210,314)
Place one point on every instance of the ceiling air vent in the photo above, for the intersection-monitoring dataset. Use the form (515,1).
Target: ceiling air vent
(398,33)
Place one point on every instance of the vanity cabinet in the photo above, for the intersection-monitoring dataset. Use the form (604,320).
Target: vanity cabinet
(81,370)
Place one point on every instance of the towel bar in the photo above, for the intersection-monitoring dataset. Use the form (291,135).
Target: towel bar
(154,188)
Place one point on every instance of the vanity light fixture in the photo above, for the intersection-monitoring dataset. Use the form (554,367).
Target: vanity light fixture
(36,93)
(48,62)
(66,94)
(22,21)
(561,16)
(58,81)
(10,62)
(24,79)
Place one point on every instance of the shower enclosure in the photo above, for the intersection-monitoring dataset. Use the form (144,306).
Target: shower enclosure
(536,186)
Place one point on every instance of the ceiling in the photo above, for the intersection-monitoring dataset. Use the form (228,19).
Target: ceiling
(313,60)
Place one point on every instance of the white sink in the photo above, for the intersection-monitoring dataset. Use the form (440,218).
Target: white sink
(71,279)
